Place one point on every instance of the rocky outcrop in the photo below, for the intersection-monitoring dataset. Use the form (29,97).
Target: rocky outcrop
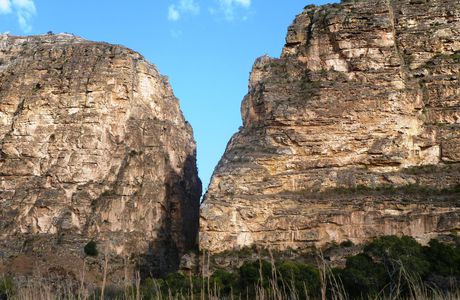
(353,133)
(93,147)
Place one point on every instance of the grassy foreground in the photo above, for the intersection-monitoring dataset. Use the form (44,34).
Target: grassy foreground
(388,268)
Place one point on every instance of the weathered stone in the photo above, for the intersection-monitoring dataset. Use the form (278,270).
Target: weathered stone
(93,146)
(365,96)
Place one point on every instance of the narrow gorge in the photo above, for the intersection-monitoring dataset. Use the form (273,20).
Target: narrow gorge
(351,134)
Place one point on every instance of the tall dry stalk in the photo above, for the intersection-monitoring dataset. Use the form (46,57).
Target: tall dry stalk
(322,274)
(104,278)
(138,286)
(406,286)
(81,293)
(125,271)
(327,278)
(202,276)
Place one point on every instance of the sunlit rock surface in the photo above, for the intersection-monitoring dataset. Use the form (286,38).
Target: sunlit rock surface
(353,133)
(93,146)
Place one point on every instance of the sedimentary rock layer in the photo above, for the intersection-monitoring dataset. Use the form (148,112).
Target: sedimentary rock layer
(93,146)
(352,133)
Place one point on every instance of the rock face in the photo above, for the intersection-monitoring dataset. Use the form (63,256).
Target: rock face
(353,133)
(93,146)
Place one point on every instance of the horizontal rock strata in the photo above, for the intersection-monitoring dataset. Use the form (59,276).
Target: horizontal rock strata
(354,132)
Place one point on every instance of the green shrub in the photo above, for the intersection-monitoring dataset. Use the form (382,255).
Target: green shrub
(388,267)
(346,244)
(151,288)
(403,260)
(91,249)
(362,276)
(250,274)
(444,259)
(7,287)
(177,283)
(299,277)
(225,281)
(399,254)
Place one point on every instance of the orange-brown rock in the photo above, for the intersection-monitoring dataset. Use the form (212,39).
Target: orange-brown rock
(93,146)
(353,133)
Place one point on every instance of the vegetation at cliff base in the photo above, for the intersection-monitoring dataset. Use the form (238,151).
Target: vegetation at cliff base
(389,267)
(7,287)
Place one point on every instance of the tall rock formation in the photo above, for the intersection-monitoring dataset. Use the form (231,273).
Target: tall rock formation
(353,133)
(93,147)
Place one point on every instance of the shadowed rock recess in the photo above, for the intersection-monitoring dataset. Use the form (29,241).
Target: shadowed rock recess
(93,146)
(353,133)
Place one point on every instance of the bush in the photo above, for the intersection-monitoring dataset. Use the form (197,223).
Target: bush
(224,281)
(346,244)
(399,254)
(7,287)
(389,267)
(299,277)
(151,288)
(362,276)
(444,259)
(91,249)
(177,283)
(250,274)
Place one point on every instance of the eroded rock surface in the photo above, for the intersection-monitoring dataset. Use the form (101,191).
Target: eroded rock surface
(353,133)
(93,146)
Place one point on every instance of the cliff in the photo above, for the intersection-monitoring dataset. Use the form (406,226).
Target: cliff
(93,147)
(354,132)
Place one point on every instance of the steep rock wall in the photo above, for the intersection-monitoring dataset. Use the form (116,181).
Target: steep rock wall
(353,133)
(93,146)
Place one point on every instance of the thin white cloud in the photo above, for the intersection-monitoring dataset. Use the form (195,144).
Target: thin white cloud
(175,11)
(244,3)
(24,21)
(5,7)
(189,6)
(229,7)
(24,9)
(26,5)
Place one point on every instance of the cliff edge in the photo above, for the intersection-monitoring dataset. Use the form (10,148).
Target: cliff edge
(353,133)
(94,150)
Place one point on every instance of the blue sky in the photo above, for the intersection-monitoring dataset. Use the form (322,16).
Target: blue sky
(206,48)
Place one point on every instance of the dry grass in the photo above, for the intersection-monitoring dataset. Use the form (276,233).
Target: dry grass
(331,288)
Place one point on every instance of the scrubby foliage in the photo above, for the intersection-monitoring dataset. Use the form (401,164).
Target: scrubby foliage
(389,266)
(253,273)
(302,279)
(7,287)
(443,259)
(362,276)
(91,249)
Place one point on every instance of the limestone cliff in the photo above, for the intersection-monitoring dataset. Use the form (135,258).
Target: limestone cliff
(353,133)
(93,146)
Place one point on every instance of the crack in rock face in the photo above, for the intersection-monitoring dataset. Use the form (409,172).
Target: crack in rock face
(93,147)
(353,133)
